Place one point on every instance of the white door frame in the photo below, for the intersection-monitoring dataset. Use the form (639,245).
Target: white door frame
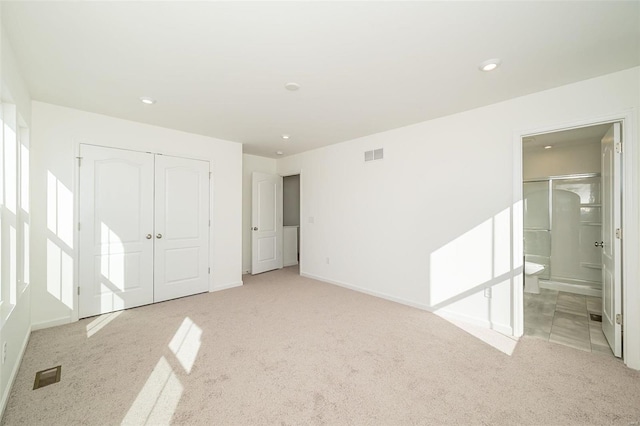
(302,223)
(630,223)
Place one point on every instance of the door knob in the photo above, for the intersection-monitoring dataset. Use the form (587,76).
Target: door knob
(149,236)
(255,228)
(600,244)
(159,236)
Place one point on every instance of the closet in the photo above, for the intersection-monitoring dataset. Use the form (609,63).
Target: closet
(143,228)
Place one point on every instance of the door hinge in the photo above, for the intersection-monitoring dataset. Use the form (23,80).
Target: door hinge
(209,222)
(78,226)
(619,148)
(619,319)
(78,290)
(619,233)
(79,161)
(209,175)
(209,270)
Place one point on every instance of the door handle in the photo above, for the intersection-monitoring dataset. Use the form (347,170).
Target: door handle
(149,236)
(600,244)
(159,236)
(255,228)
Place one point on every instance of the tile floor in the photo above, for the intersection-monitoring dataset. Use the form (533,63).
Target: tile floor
(560,317)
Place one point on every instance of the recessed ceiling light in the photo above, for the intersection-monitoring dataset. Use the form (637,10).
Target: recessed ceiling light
(489,64)
(285,137)
(292,86)
(279,152)
(548,147)
(147,100)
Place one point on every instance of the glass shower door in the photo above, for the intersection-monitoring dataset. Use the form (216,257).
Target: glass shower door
(537,225)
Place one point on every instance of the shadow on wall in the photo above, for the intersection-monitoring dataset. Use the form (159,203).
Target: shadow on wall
(481,263)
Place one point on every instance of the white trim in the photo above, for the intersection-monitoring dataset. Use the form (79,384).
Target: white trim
(302,225)
(483,323)
(366,291)
(501,328)
(14,373)
(75,313)
(226,286)
(630,218)
(52,323)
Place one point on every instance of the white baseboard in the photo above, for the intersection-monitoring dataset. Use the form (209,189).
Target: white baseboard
(51,323)
(14,373)
(369,292)
(501,328)
(226,286)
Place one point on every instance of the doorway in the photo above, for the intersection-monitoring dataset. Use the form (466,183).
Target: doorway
(572,216)
(275,221)
(291,220)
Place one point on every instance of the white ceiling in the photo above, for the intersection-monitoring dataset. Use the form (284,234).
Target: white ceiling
(219,68)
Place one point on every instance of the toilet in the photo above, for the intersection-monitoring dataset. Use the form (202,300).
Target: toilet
(531,272)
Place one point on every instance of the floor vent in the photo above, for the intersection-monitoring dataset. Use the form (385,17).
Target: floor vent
(595,317)
(47,377)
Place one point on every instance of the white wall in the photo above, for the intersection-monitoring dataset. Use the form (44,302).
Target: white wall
(56,135)
(15,322)
(430,225)
(291,200)
(561,160)
(250,164)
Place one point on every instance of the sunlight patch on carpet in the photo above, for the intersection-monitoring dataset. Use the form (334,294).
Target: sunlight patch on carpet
(158,399)
(100,322)
(186,344)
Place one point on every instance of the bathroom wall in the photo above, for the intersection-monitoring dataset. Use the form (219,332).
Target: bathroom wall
(291,200)
(561,160)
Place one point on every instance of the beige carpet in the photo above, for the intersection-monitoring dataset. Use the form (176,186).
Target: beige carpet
(288,350)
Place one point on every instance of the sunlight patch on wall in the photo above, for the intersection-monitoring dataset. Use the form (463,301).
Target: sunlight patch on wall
(112,258)
(99,323)
(462,264)
(109,301)
(158,399)
(501,243)
(185,344)
(59,210)
(59,274)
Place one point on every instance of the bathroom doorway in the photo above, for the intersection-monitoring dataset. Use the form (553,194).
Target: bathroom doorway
(569,200)
(291,220)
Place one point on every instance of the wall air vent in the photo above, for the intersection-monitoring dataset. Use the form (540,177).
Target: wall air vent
(376,154)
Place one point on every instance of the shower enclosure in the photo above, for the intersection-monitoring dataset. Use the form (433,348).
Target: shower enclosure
(562,223)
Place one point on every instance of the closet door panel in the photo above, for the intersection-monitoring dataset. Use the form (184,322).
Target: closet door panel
(116,218)
(182,227)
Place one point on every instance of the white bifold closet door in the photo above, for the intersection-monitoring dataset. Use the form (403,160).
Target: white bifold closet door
(144,229)
(181,227)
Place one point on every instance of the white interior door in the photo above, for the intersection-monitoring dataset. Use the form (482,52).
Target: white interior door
(116,227)
(266,222)
(182,227)
(611,221)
